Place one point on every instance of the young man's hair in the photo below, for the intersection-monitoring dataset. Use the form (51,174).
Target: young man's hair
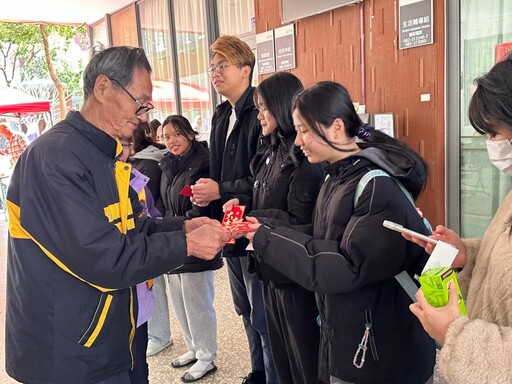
(236,51)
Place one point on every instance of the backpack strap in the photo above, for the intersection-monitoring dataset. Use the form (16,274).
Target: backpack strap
(403,277)
(374,173)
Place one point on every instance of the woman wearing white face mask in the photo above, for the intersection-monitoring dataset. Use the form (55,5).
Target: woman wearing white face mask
(499,148)
(478,348)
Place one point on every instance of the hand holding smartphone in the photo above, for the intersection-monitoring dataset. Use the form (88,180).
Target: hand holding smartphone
(399,228)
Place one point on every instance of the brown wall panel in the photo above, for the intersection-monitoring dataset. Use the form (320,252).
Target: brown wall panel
(399,78)
(326,45)
(387,79)
(124,27)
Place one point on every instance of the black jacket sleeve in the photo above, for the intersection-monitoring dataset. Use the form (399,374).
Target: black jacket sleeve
(367,253)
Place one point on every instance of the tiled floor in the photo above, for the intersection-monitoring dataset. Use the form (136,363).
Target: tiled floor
(233,356)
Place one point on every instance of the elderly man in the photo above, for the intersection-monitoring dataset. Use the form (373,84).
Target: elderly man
(78,242)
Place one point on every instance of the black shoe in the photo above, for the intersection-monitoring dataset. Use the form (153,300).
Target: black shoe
(255,377)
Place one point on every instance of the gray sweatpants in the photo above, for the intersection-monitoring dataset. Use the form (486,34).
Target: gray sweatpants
(192,299)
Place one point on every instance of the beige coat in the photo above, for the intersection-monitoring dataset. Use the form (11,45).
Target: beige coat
(478,348)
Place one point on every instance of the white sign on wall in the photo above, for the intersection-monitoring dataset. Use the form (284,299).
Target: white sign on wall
(285,47)
(265,52)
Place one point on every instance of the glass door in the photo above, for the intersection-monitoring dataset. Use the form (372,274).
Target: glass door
(483,25)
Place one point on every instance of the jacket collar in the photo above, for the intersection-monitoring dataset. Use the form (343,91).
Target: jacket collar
(241,103)
(346,167)
(107,144)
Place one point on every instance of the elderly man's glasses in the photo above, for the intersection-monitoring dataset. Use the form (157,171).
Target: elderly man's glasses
(142,108)
(217,69)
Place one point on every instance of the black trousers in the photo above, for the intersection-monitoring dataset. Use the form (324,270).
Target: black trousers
(140,372)
(294,333)
(121,378)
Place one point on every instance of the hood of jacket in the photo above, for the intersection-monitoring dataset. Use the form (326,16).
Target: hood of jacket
(410,171)
(150,153)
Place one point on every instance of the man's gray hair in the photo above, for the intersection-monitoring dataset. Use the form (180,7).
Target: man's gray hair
(116,63)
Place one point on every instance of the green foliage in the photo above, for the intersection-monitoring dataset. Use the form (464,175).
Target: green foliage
(71,78)
(22,54)
(24,36)
(36,70)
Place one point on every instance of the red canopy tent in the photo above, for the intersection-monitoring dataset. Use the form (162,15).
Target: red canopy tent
(192,96)
(16,103)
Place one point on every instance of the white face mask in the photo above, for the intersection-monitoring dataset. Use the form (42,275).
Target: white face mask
(500,154)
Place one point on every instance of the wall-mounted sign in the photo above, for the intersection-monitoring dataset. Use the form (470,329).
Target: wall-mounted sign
(384,122)
(285,47)
(416,23)
(265,52)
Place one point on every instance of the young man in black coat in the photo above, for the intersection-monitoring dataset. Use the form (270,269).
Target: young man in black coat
(233,143)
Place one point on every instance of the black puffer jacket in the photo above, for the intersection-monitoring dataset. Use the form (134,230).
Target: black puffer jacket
(283,190)
(230,160)
(350,263)
(176,173)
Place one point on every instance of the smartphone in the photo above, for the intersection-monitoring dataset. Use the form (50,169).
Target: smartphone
(407,231)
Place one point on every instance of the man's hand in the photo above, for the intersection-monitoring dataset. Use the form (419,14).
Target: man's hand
(192,224)
(437,320)
(206,241)
(205,191)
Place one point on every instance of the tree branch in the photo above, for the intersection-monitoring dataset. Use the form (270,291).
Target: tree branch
(58,85)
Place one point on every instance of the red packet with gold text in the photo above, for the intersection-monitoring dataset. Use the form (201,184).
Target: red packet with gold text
(231,216)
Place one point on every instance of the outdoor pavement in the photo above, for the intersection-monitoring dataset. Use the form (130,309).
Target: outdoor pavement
(233,356)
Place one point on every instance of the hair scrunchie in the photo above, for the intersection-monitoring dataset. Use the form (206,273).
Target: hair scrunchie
(364,131)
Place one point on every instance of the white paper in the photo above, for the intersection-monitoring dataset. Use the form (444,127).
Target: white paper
(384,122)
(443,256)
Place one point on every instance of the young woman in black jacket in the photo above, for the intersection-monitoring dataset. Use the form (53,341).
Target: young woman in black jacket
(368,334)
(191,286)
(285,187)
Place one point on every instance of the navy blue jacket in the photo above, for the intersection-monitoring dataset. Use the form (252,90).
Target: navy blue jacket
(78,242)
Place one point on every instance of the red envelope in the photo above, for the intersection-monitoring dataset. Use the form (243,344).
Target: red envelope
(187,191)
(239,227)
(235,214)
